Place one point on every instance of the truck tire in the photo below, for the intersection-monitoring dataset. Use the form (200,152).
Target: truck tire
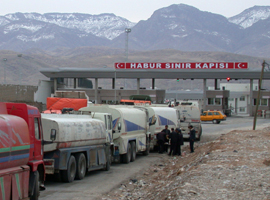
(218,122)
(214,121)
(146,152)
(81,166)
(126,157)
(69,174)
(133,151)
(36,187)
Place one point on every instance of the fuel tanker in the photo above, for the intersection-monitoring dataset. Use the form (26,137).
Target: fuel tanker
(74,145)
(21,152)
(130,130)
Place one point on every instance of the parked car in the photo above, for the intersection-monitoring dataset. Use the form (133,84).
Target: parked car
(213,115)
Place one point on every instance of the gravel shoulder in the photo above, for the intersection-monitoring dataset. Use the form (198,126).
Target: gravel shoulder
(234,166)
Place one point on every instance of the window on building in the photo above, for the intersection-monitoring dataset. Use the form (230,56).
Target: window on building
(231,99)
(242,109)
(263,102)
(210,101)
(242,98)
(217,101)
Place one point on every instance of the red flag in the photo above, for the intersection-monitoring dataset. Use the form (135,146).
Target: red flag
(119,66)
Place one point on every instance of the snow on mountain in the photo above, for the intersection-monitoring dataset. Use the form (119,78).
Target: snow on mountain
(104,25)
(250,16)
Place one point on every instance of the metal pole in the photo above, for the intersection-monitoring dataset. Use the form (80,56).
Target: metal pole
(5,60)
(127,30)
(114,86)
(258,97)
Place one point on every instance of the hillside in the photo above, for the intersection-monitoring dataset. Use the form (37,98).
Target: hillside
(25,67)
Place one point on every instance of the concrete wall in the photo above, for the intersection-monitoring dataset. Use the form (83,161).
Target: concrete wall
(20,94)
(11,93)
(110,95)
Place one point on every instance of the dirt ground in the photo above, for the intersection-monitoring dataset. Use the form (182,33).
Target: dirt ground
(235,166)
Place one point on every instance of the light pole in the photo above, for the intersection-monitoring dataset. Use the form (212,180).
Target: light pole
(5,60)
(127,30)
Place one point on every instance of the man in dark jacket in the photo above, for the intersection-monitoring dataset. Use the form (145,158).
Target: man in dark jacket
(161,137)
(180,141)
(167,132)
(174,141)
(192,138)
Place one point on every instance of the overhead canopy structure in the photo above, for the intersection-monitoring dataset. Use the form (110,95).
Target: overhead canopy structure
(233,71)
(153,74)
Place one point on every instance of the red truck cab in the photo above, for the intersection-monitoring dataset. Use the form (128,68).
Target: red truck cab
(24,157)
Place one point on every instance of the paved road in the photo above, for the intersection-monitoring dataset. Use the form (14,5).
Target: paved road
(100,182)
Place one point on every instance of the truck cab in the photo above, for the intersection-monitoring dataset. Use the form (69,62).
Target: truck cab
(26,151)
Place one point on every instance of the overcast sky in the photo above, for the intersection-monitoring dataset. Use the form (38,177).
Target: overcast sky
(133,10)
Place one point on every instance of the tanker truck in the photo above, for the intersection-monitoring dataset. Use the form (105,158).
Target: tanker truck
(158,118)
(78,144)
(190,115)
(130,130)
(21,152)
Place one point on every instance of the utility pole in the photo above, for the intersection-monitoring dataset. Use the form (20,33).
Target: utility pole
(127,30)
(5,60)
(258,97)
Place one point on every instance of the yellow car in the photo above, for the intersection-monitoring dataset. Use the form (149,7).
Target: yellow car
(213,115)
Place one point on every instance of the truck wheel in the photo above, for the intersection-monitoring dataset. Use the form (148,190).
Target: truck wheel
(69,174)
(146,152)
(133,151)
(127,156)
(36,187)
(81,166)
(214,121)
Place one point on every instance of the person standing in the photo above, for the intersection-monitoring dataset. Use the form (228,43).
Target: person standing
(174,141)
(192,138)
(167,133)
(180,142)
(161,137)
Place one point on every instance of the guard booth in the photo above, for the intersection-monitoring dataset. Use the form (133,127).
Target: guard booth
(218,100)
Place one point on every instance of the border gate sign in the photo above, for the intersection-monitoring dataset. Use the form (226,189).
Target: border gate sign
(183,65)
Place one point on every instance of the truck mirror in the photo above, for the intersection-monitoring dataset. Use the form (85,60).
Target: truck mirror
(53,134)
(119,126)
(153,122)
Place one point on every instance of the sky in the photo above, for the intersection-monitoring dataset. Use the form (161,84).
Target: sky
(133,10)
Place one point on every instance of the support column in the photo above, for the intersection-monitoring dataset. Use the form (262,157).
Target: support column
(113,83)
(138,86)
(216,84)
(250,97)
(96,90)
(204,93)
(153,83)
(54,85)
(75,83)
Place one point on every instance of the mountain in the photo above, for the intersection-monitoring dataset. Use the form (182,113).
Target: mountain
(25,68)
(179,27)
(251,16)
(185,28)
(22,31)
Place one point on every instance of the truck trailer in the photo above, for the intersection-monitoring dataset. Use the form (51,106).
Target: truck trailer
(130,130)
(75,144)
(22,170)
(158,118)
(189,115)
